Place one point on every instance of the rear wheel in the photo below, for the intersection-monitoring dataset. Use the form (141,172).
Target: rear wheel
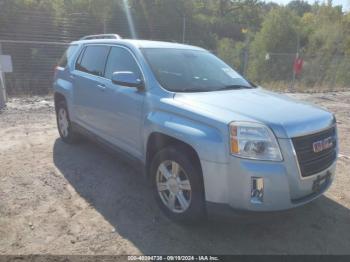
(64,124)
(178,185)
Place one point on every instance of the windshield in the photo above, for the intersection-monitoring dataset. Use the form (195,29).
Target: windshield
(181,70)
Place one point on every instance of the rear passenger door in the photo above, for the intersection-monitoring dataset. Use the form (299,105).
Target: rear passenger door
(89,88)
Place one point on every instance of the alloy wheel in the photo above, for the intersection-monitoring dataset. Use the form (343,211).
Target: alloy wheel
(173,186)
(63,122)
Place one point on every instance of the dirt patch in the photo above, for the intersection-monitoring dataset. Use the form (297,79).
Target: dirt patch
(62,199)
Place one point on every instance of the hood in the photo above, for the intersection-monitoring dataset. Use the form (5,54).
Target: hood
(287,117)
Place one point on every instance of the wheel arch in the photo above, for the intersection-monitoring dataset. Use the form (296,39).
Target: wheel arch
(158,141)
(58,97)
(206,140)
(65,95)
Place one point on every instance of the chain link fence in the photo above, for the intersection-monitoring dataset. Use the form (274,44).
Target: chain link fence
(35,52)
(36,41)
(317,72)
(33,66)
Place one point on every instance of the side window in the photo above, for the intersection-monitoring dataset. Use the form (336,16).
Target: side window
(67,56)
(121,60)
(93,60)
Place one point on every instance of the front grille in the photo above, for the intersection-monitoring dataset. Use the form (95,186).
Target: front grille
(310,162)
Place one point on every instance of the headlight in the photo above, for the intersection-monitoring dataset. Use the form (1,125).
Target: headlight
(254,141)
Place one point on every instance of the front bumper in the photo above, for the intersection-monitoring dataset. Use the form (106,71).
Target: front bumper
(284,188)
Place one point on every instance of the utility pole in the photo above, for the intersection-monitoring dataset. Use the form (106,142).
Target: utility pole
(105,25)
(2,85)
(246,51)
(182,13)
(183,28)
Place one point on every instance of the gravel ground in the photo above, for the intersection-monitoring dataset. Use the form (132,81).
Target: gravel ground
(62,199)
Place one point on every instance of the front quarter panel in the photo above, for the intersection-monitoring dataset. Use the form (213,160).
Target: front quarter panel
(206,140)
(209,138)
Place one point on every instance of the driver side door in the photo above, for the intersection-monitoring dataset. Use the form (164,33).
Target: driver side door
(122,107)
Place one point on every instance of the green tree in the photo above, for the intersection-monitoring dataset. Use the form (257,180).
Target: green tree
(326,52)
(231,52)
(299,6)
(278,37)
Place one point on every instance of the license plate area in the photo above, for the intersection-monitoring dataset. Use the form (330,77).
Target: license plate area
(320,182)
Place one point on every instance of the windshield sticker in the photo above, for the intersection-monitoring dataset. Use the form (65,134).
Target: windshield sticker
(231,73)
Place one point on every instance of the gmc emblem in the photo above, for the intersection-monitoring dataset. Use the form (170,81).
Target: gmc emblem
(321,145)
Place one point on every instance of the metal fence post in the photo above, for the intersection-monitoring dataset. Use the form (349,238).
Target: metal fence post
(2,85)
(183,28)
(246,55)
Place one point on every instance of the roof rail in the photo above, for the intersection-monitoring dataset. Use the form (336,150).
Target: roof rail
(102,36)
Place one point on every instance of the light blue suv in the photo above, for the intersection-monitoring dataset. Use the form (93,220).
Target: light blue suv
(206,137)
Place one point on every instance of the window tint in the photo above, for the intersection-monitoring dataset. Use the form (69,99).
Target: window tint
(67,56)
(93,60)
(121,60)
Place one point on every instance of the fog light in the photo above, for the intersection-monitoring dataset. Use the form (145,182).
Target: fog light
(257,190)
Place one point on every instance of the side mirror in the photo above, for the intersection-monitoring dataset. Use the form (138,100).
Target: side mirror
(126,78)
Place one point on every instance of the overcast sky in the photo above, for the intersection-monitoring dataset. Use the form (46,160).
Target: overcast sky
(344,3)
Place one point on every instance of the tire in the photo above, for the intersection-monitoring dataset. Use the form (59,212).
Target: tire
(64,125)
(171,190)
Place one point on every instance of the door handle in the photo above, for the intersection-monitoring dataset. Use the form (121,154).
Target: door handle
(101,87)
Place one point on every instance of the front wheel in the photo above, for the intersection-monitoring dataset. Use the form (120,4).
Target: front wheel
(178,184)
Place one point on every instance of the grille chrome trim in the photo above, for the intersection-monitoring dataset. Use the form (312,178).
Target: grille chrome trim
(317,131)
(333,153)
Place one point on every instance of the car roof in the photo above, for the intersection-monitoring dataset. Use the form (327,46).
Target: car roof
(140,43)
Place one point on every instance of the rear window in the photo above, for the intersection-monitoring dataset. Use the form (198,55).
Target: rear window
(67,56)
(93,60)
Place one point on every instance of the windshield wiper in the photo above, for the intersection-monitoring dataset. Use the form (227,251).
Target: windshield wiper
(189,90)
(212,89)
(231,87)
